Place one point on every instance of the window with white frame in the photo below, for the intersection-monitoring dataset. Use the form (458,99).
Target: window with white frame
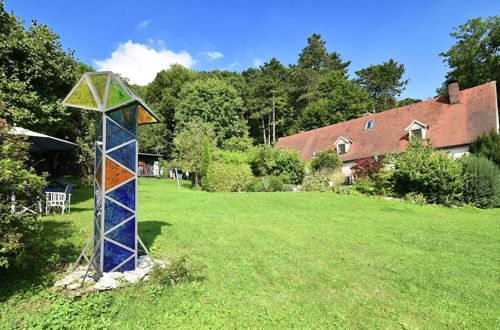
(417,129)
(342,145)
(369,124)
(416,133)
(341,148)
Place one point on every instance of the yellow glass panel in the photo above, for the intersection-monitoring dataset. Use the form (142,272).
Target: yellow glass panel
(99,81)
(82,96)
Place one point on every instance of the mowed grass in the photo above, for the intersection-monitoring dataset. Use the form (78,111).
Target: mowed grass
(303,260)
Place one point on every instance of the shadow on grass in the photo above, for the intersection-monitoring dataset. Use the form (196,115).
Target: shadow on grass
(32,273)
(149,230)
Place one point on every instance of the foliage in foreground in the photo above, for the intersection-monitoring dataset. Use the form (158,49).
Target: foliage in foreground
(482,182)
(227,178)
(326,160)
(17,231)
(268,183)
(283,163)
(325,181)
(435,175)
(487,145)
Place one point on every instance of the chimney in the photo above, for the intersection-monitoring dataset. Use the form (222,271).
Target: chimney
(454,93)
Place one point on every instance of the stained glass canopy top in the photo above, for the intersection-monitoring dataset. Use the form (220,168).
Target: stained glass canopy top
(104,91)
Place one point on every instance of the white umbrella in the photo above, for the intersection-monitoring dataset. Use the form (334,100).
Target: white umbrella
(42,142)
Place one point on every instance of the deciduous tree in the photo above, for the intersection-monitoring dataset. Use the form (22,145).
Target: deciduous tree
(215,102)
(188,146)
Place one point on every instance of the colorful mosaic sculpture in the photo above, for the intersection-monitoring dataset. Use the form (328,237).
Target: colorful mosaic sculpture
(115,236)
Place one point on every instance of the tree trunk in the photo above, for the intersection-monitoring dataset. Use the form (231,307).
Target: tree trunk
(269,128)
(263,129)
(274,119)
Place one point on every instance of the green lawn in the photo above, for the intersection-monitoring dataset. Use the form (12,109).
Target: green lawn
(283,260)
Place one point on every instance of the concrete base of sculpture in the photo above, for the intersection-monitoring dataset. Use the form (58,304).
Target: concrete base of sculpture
(73,278)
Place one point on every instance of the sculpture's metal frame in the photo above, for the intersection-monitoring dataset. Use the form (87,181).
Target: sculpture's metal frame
(115,238)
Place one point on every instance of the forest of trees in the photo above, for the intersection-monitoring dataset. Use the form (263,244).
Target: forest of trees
(271,101)
(263,103)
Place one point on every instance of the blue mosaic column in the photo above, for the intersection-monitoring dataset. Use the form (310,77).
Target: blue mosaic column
(115,183)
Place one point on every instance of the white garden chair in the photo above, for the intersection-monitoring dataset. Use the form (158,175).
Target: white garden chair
(35,208)
(59,200)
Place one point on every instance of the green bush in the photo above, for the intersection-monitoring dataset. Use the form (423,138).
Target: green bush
(227,178)
(345,190)
(487,145)
(377,183)
(283,163)
(423,170)
(326,160)
(266,184)
(275,183)
(317,182)
(260,156)
(17,231)
(482,182)
(231,157)
(365,186)
(179,270)
(415,198)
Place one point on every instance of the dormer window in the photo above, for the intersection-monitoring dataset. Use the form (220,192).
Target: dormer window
(417,129)
(369,124)
(416,133)
(341,149)
(314,154)
(342,144)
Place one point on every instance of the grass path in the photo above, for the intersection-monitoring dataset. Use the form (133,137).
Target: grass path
(300,260)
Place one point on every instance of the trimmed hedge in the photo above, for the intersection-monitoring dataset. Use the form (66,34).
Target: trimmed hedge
(227,177)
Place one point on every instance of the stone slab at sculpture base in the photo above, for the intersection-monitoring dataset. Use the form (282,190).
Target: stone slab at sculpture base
(73,278)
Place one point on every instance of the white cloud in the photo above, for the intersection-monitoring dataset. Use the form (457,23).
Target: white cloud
(140,63)
(257,62)
(144,24)
(231,66)
(213,55)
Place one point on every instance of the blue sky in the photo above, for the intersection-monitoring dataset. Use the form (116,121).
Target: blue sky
(139,38)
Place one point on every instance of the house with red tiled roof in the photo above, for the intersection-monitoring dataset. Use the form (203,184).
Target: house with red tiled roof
(451,122)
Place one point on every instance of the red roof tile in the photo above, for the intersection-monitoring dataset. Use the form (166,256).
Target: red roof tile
(448,125)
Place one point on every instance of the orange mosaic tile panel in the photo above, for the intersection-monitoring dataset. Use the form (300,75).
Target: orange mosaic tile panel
(144,117)
(115,174)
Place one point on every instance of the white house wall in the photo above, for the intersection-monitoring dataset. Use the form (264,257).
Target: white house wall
(346,168)
(457,152)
